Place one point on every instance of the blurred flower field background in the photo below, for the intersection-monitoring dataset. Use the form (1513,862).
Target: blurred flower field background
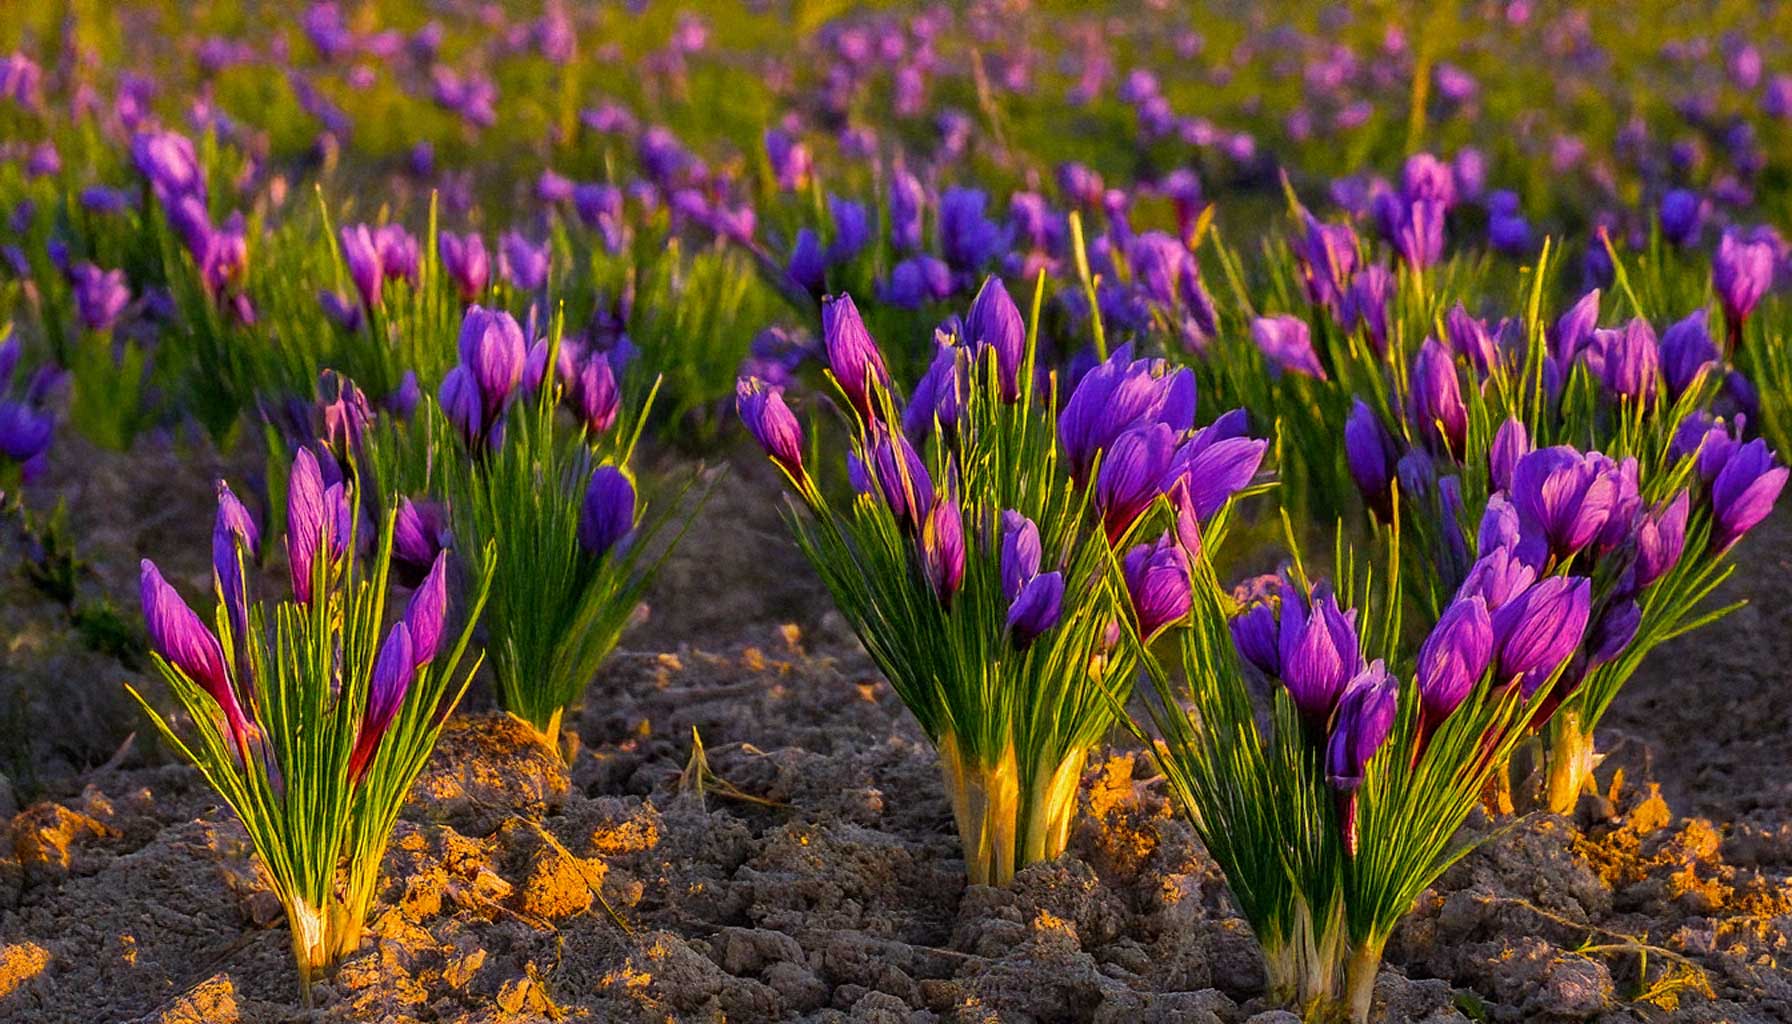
(1271,509)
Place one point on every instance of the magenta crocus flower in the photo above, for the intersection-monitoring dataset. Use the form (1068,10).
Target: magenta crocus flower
(608,514)
(1366,712)
(1741,272)
(419,534)
(462,404)
(1327,254)
(465,260)
(1366,304)
(492,350)
(938,394)
(523,263)
(1118,395)
(852,354)
(1660,540)
(995,321)
(1574,329)
(1627,360)
(905,485)
(761,407)
(1288,344)
(1453,658)
(1510,443)
(424,614)
(178,635)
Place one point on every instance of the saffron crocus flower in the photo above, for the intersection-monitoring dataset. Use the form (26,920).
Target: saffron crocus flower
(608,514)
(1743,492)
(1132,475)
(1510,443)
(907,198)
(905,485)
(1327,255)
(1215,464)
(1037,608)
(1565,496)
(100,295)
(1158,582)
(363,258)
(462,404)
(1370,455)
(852,354)
(465,260)
(942,548)
(426,610)
(393,670)
(595,396)
(1575,328)
(1627,360)
(1256,634)
(995,321)
(1468,337)
(1118,395)
(1453,658)
(938,394)
(1686,351)
(1021,552)
(1316,649)
(523,263)
(1437,410)
(312,523)
(492,350)
(1741,271)
(1366,305)
(1496,578)
(762,408)
(419,534)
(234,537)
(807,266)
(1681,214)
(1660,540)
(1536,631)
(1366,714)
(1287,343)
(178,635)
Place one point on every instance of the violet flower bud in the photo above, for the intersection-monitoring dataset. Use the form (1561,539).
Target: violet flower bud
(995,321)
(464,258)
(393,670)
(1660,540)
(1454,657)
(937,396)
(1536,631)
(1036,608)
(1467,336)
(1317,649)
(942,549)
(905,485)
(1612,632)
(1132,475)
(608,514)
(427,608)
(1255,632)
(1437,410)
(852,230)
(853,356)
(1327,254)
(1686,351)
(310,523)
(1575,328)
(1741,272)
(595,396)
(1370,455)
(462,404)
(761,407)
(493,351)
(1158,582)
(1366,713)
(419,534)
(1288,345)
(1021,552)
(1496,578)
(178,635)
(1681,214)
(1511,443)
(1627,361)
(1366,304)
(906,200)
(234,537)
(24,432)
(806,266)
(523,263)
(363,258)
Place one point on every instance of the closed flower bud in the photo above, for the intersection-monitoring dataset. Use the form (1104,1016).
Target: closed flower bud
(363,257)
(995,321)
(1021,552)
(942,549)
(852,355)
(462,404)
(1370,455)
(1510,443)
(492,349)
(311,523)
(938,396)
(1036,608)
(905,485)
(770,421)
(419,534)
(1615,628)
(1575,328)
(523,263)
(608,514)
(427,608)
(178,635)
(1132,475)
(1288,344)
(1686,351)
(1454,657)
(1317,648)
(1741,272)
(1255,633)
(1627,361)
(468,266)
(1366,712)
(1660,540)
(1437,410)
(393,669)
(1158,582)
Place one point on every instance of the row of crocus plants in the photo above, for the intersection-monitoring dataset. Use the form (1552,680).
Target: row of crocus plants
(1012,559)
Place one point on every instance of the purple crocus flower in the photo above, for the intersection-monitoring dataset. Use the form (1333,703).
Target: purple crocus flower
(1316,649)
(601,207)
(1627,361)
(938,394)
(426,611)
(24,432)
(1287,343)
(1681,214)
(761,407)
(1437,410)
(234,538)
(906,486)
(969,240)
(1366,713)
(1496,578)
(179,636)
(1118,395)
(465,260)
(1511,443)
(608,514)
(1686,351)
(523,263)
(462,404)
(363,257)
(310,523)
(492,349)
(1453,659)
(1660,540)
(1327,254)
(1743,492)
(807,267)
(393,670)
(1370,454)
(1213,465)
(170,163)
(916,281)
(1536,631)
(1565,496)
(853,356)
(1021,552)
(100,295)
(852,230)
(907,198)
(1366,304)
(1575,328)
(1741,272)
(995,321)
(419,534)
(1468,337)
(1133,473)
(1036,608)
(1256,633)
(1158,582)
(942,549)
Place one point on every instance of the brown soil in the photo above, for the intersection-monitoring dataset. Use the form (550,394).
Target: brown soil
(811,872)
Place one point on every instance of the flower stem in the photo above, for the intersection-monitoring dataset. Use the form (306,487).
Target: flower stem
(985,798)
(1360,971)
(1570,761)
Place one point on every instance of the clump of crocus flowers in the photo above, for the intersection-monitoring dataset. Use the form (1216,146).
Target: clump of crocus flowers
(534,463)
(991,547)
(311,716)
